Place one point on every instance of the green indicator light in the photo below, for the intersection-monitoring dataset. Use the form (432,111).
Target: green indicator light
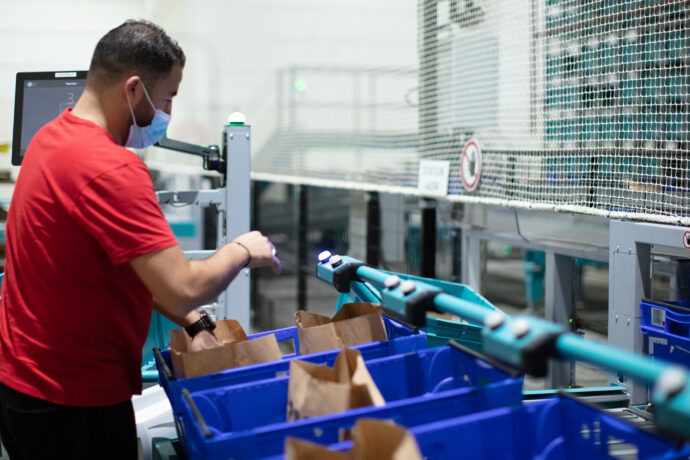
(507,250)
(570,321)
(300,85)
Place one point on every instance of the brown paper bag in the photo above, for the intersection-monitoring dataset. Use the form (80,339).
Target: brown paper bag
(446,316)
(378,440)
(354,324)
(372,440)
(315,390)
(236,350)
(299,449)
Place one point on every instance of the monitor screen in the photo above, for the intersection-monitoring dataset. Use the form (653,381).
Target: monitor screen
(39,98)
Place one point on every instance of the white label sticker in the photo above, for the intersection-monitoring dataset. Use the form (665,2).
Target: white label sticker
(657,341)
(658,317)
(433,177)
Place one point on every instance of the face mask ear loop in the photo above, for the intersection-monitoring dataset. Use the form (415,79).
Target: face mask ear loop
(131,111)
(146,93)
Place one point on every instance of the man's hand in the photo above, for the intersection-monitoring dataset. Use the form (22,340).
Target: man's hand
(260,251)
(204,340)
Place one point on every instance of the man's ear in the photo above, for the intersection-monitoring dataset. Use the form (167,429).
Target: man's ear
(133,89)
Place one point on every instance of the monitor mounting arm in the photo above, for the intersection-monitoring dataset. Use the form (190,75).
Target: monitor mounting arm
(213,159)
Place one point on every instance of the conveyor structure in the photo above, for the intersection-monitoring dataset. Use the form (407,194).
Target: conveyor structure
(521,342)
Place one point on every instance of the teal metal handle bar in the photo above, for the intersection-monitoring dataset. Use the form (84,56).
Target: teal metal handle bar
(575,348)
(528,342)
(364,293)
(373,276)
(568,346)
(470,312)
(442,301)
(521,341)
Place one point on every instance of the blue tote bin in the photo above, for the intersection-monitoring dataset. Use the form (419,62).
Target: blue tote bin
(401,339)
(249,421)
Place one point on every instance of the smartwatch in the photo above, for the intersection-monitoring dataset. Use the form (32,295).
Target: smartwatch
(204,323)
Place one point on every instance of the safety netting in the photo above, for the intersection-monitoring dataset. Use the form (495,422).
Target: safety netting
(576,105)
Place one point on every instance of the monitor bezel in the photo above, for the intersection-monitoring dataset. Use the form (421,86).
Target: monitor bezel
(22,77)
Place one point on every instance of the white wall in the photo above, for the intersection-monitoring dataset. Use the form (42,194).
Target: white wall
(51,35)
(234,49)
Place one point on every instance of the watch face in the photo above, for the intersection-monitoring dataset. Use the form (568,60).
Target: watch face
(206,322)
(203,323)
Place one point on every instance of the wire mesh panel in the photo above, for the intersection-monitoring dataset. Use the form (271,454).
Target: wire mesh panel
(578,105)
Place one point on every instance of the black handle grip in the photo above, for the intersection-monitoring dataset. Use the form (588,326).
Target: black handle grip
(512,371)
(211,151)
(162,365)
(197,415)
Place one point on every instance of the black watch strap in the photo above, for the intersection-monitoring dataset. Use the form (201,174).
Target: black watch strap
(203,323)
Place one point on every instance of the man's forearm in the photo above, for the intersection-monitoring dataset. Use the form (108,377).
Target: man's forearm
(180,285)
(210,277)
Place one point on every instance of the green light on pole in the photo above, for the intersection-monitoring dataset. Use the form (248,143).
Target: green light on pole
(300,85)
(507,250)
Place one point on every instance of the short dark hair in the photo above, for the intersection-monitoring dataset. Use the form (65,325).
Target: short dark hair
(134,48)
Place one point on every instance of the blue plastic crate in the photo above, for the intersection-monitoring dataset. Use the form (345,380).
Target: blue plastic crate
(667,327)
(555,429)
(401,339)
(248,421)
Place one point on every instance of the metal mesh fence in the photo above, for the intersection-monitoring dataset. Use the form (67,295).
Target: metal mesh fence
(578,105)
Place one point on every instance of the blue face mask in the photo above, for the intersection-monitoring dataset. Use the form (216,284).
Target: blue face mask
(141,137)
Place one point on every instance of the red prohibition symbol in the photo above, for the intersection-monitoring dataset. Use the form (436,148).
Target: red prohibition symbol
(471,165)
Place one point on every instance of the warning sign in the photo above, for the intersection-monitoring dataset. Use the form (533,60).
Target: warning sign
(471,165)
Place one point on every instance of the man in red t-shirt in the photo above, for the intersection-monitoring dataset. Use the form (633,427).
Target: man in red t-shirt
(89,253)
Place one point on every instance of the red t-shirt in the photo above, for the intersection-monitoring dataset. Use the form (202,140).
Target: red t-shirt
(74,315)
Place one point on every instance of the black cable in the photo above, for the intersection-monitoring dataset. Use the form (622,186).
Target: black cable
(517,226)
